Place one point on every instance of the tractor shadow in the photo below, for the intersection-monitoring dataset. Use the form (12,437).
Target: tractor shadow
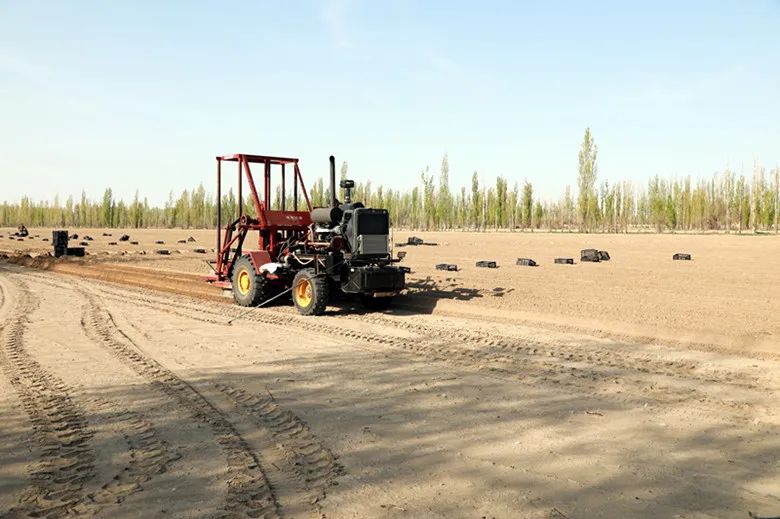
(450,288)
(421,297)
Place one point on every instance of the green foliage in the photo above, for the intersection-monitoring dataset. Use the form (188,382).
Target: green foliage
(527,204)
(724,202)
(588,170)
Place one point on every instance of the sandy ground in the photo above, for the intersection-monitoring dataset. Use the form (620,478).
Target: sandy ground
(640,387)
(728,297)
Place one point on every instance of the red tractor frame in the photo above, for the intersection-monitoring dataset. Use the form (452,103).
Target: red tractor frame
(274,225)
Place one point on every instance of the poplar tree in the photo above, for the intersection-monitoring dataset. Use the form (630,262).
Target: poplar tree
(588,170)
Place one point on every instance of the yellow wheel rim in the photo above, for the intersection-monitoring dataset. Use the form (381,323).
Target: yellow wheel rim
(303,292)
(244,282)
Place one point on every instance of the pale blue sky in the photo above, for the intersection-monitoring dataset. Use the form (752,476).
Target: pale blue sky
(145,94)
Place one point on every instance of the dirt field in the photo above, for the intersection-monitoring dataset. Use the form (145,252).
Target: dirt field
(638,387)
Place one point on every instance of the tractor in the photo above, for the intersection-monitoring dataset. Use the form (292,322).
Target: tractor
(314,253)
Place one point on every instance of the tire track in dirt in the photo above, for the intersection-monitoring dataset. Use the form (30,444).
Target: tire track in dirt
(600,359)
(527,364)
(61,430)
(149,456)
(249,493)
(142,298)
(312,465)
(603,357)
(315,465)
(503,357)
(303,469)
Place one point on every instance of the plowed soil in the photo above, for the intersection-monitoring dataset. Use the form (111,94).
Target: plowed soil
(638,387)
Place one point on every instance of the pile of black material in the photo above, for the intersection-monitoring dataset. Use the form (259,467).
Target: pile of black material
(451,267)
(414,240)
(59,240)
(591,255)
(124,237)
(682,256)
(76,251)
(594,255)
(565,261)
(488,264)
(164,252)
(73,236)
(191,239)
(525,262)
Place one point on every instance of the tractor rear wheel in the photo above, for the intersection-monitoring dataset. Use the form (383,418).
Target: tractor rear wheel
(249,287)
(310,292)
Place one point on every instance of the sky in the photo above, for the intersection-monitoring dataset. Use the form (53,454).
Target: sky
(141,95)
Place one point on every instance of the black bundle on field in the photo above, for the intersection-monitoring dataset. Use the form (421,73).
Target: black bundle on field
(565,261)
(59,241)
(487,264)
(414,240)
(124,237)
(604,255)
(525,262)
(59,238)
(75,251)
(451,267)
(682,256)
(591,255)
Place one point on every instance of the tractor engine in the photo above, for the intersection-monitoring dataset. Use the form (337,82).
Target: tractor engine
(358,231)
(358,251)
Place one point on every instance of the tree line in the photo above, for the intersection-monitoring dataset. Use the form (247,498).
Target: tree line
(725,202)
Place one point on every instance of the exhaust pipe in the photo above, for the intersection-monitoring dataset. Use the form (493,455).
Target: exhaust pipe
(333,201)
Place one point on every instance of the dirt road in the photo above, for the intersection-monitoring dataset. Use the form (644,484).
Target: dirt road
(119,401)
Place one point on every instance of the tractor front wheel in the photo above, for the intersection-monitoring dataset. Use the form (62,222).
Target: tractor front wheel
(249,287)
(310,292)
